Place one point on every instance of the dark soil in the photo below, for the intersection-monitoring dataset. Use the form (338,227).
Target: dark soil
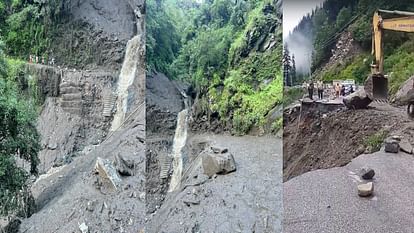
(316,141)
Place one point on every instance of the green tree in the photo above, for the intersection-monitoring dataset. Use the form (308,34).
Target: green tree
(343,17)
(18,139)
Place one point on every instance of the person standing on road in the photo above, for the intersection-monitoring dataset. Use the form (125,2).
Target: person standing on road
(310,89)
(337,90)
(319,86)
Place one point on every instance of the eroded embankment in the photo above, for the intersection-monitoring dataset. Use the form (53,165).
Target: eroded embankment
(314,140)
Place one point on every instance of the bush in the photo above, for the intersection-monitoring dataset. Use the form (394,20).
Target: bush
(18,138)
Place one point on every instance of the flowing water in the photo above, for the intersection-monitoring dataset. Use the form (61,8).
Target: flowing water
(179,142)
(126,78)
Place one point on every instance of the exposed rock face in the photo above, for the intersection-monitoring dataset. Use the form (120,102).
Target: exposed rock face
(357,100)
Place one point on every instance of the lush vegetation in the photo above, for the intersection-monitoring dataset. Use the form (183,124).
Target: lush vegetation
(26,26)
(18,136)
(220,51)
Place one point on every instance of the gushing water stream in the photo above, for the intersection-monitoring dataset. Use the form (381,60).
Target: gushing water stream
(180,139)
(126,78)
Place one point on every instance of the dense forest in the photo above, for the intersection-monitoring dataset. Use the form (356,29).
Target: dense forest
(327,23)
(24,30)
(230,51)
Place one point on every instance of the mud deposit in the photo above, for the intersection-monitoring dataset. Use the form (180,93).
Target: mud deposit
(319,141)
(247,200)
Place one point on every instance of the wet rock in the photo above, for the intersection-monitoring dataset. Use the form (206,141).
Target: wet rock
(391,145)
(124,164)
(219,149)
(84,228)
(357,100)
(406,146)
(107,171)
(367,173)
(366,190)
(218,164)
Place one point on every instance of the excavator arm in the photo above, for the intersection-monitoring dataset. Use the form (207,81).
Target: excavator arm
(400,24)
(403,23)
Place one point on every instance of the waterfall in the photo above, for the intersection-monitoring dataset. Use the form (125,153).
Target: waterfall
(180,139)
(126,78)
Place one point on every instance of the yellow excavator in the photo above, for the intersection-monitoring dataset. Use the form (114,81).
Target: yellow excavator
(404,22)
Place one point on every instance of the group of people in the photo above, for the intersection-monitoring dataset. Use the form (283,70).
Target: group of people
(311,87)
(339,90)
(40,60)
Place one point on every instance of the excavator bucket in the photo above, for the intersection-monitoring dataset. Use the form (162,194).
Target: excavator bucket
(379,87)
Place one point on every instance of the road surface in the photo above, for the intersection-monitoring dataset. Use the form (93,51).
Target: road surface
(327,201)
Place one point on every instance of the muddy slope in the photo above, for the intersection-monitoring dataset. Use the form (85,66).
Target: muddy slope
(164,102)
(72,193)
(319,141)
(94,33)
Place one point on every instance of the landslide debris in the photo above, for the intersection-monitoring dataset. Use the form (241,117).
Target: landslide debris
(318,141)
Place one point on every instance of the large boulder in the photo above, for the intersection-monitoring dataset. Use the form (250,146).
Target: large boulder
(405,94)
(357,100)
(107,171)
(218,163)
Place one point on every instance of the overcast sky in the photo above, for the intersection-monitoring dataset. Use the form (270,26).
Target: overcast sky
(294,10)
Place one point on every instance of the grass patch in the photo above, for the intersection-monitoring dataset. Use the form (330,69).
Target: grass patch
(375,141)
(290,95)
